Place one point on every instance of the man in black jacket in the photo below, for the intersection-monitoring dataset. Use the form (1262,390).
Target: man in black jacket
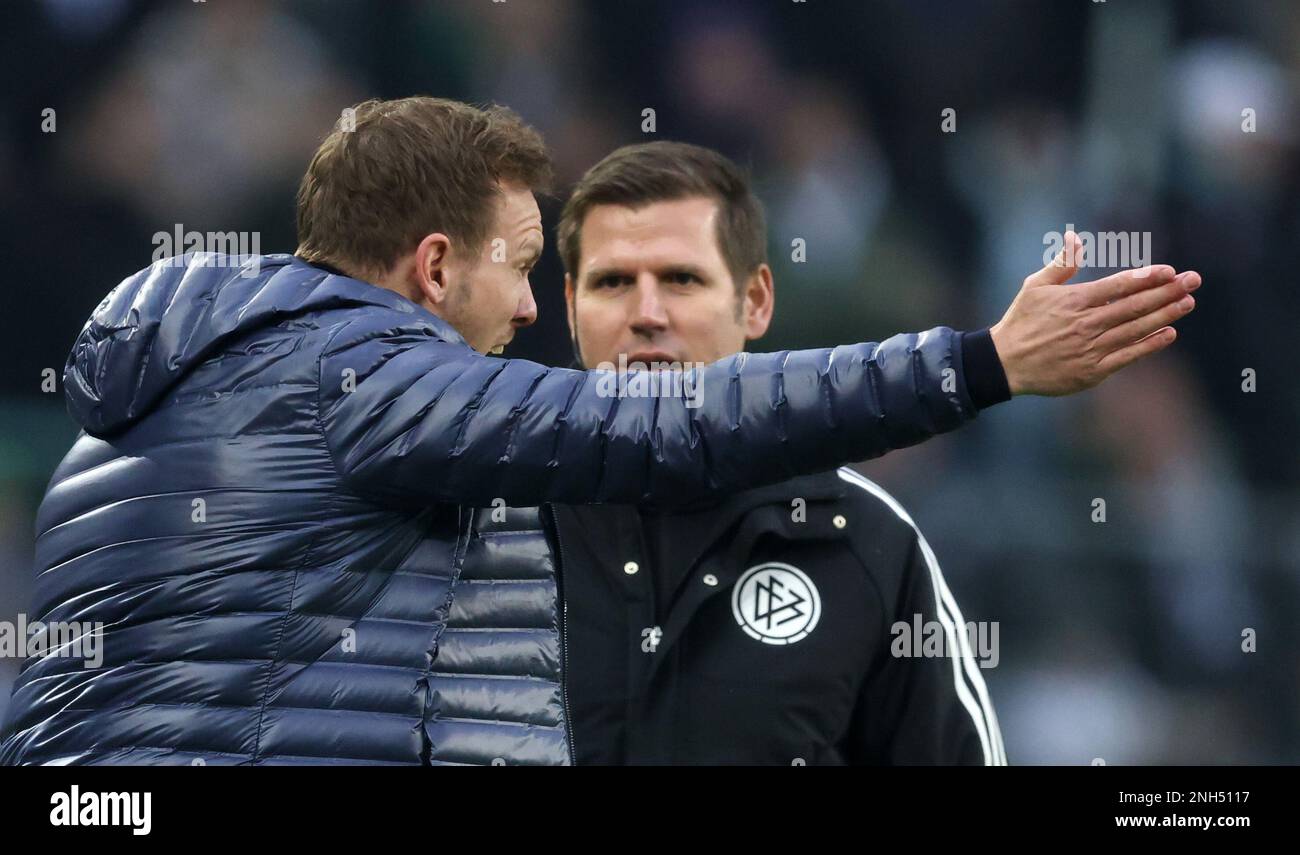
(799,623)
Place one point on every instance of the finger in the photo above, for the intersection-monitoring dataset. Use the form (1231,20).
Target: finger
(1126,282)
(1158,340)
(1136,305)
(1138,329)
(1059,270)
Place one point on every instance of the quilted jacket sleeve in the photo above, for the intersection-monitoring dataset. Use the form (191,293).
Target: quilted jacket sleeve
(411,418)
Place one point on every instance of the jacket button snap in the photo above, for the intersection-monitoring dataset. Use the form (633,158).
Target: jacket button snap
(839,521)
(630,568)
(710,579)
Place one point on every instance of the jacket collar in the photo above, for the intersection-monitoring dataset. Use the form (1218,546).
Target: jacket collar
(337,283)
(721,516)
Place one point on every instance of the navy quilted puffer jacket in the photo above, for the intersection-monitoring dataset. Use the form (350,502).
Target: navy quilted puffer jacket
(274,493)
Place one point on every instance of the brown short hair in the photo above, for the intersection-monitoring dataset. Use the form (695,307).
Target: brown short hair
(637,175)
(391,172)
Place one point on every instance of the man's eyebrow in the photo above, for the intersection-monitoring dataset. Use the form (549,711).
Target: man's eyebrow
(692,269)
(532,251)
(661,271)
(601,272)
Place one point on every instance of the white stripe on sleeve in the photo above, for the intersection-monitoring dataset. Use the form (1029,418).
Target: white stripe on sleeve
(963,659)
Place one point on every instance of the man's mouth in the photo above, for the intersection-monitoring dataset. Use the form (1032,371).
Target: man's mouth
(648,357)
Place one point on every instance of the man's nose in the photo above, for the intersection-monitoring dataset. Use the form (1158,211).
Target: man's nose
(526,311)
(649,314)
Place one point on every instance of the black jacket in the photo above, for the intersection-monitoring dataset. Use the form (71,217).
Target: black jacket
(760,630)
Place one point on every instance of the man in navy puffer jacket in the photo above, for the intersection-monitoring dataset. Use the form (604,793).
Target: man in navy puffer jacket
(273,494)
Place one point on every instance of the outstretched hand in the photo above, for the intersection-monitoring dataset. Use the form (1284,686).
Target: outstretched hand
(1058,339)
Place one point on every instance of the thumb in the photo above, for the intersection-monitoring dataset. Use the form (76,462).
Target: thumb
(1066,263)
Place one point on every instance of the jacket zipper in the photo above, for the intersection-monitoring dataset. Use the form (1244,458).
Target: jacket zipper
(564,644)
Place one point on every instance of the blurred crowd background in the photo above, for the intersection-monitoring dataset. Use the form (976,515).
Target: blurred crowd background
(1120,640)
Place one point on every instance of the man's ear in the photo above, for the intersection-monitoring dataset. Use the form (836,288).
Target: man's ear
(570,307)
(760,297)
(432,260)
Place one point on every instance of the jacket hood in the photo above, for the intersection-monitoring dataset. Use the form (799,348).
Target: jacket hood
(160,323)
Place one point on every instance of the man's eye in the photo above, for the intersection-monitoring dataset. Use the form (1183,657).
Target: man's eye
(611,281)
(682,277)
